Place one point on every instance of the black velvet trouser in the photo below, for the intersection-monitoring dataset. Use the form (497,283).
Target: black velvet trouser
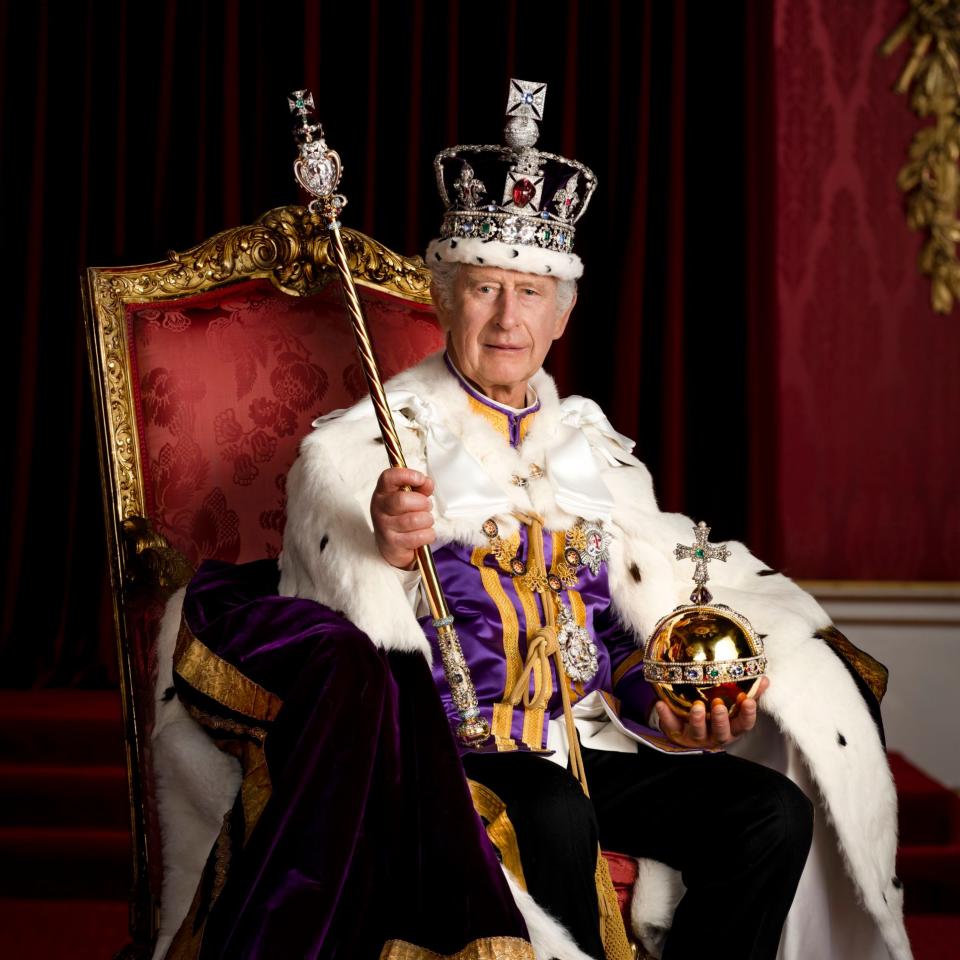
(738,832)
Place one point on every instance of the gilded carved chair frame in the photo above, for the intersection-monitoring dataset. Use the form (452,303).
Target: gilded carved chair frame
(287,246)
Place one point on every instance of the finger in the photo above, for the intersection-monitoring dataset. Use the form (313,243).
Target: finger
(697,724)
(669,722)
(720,722)
(399,549)
(405,522)
(410,540)
(746,717)
(402,501)
(395,478)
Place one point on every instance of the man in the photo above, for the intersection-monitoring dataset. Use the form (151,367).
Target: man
(500,325)
(516,477)
(556,564)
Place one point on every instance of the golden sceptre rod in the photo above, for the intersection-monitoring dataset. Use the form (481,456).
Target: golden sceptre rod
(318,170)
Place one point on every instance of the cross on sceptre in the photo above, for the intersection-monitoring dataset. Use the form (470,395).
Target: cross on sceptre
(701,552)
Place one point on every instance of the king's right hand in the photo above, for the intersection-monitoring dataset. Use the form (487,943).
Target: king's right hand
(400,511)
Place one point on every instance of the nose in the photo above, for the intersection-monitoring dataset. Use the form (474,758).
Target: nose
(507,309)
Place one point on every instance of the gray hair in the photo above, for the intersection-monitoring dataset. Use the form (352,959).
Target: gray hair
(445,273)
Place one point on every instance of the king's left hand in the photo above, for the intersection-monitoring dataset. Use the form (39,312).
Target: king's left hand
(716,731)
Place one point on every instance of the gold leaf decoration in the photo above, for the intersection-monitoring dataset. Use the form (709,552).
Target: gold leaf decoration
(150,558)
(288,245)
(930,178)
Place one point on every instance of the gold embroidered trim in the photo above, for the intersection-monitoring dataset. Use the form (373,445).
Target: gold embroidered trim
(627,665)
(487,948)
(500,421)
(221,858)
(873,673)
(212,676)
(499,828)
(579,610)
(616,946)
(614,701)
(576,536)
(558,565)
(213,723)
(503,711)
(256,787)
(532,716)
(495,418)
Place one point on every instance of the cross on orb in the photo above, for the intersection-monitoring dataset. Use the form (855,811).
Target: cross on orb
(701,552)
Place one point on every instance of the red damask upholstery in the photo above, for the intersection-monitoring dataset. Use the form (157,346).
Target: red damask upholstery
(207,370)
(226,385)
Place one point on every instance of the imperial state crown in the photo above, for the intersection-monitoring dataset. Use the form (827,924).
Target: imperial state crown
(512,205)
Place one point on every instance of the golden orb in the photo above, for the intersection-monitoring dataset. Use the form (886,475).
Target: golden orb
(703,652)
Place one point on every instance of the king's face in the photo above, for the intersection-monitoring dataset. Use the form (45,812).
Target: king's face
(500,327)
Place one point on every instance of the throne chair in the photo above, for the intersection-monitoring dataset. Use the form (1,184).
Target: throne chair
(208,368)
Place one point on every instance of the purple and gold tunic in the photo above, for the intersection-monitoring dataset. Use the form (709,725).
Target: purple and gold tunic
(498,612)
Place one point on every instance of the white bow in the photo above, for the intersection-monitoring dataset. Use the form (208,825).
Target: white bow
(463,489)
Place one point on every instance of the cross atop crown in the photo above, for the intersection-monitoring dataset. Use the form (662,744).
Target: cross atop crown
(701,552)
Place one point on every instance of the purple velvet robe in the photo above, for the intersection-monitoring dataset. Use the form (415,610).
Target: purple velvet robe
(369,834)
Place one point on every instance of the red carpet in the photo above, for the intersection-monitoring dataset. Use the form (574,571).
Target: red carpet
(65,848)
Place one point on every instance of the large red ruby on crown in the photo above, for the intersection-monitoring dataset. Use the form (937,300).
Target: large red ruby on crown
(523,192)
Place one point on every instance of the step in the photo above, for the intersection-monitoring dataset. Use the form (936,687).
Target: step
(931,878)
(64,863)
(934,937)
(53,929)
(61,727)
(63,796)
(929,813)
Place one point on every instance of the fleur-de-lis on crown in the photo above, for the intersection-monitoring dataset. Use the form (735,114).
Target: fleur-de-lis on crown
(565,200)
(468,188)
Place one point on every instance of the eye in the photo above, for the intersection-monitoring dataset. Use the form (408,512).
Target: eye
(531,292)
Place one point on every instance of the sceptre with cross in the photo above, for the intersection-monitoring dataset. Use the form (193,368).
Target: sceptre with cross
(318,170)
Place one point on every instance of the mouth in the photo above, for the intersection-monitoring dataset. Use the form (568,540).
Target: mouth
(505,347)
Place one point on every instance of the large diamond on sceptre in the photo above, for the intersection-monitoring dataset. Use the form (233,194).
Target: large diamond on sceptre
(703,650)
(318,168)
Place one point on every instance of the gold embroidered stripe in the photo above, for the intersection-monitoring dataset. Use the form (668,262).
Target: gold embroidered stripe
(490,578)
(559,545)
(579,610)
(612,700)
(616,945)
(487,948)
(532,717)
(499,828)
(627,665)
(577,607)
(214,677)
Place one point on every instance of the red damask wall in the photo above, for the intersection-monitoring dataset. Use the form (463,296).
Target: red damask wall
(869,398)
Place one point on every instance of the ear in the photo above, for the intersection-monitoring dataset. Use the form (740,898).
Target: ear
(563,319)
(443,315)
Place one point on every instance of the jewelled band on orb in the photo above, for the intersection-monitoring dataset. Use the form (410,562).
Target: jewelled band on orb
(705,671)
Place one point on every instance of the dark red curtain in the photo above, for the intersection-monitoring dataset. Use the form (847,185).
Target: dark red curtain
(129,129)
